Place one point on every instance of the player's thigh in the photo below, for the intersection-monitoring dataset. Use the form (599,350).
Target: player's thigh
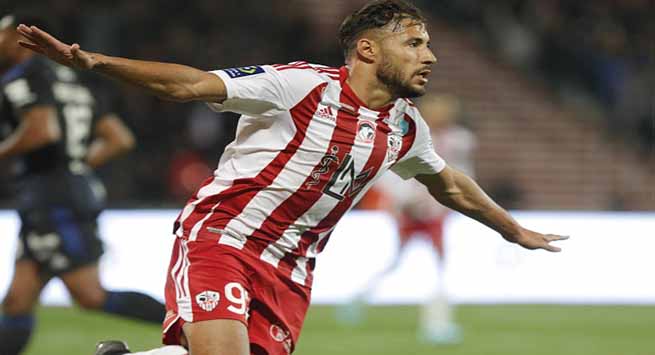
(217,337)
(206,281)
(83,283)
(25,288)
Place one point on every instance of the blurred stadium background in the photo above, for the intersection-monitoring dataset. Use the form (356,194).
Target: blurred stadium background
(561,97)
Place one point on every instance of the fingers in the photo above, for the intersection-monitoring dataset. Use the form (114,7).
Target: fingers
(552,248)
(31,46)
(39,37)
(26,32)
(43,34)
(22,29)
(552,238)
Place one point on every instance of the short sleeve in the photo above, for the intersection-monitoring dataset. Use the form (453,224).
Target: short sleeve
(28,91)
(264,90)
(421,158)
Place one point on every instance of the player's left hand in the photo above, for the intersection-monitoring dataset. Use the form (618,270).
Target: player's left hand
(533,240)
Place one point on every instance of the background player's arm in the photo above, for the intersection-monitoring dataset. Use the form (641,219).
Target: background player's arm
(38,127)
(112,138)
(459,192)
(168,81)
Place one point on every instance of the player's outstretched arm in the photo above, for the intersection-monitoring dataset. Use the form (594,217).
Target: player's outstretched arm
(459,192)
(169,81)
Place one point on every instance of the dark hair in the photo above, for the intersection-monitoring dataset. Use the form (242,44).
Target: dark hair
(375,14)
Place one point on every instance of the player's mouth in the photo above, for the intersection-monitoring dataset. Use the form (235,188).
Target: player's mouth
(423,75)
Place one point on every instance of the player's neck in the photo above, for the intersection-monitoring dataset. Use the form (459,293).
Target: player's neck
(364,82)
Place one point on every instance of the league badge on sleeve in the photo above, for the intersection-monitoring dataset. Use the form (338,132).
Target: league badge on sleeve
(243,71)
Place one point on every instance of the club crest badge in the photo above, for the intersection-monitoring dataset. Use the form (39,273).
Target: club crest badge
(277,333)
(394,144)
(208,300)
(366,131)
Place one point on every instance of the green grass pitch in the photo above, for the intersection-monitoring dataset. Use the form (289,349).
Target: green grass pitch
(488,330)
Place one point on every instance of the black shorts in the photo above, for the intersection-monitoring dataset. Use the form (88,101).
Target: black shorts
(58,240)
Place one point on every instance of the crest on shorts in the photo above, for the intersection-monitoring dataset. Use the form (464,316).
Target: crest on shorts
(208,300)
(277,333)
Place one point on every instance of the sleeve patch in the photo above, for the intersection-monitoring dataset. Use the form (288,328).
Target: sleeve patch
(243,71)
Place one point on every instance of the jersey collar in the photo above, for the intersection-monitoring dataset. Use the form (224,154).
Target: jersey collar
(348,91)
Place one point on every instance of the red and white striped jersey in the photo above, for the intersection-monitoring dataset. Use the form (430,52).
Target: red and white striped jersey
(306,150)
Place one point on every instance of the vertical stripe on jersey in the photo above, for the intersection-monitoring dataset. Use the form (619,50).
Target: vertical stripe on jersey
(203,191)
(207,191)
(314,240)
(335,215)
(343,137)
(234,199)
(408,138)
(296,263)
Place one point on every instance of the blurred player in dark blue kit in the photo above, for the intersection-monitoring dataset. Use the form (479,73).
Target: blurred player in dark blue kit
(58,131)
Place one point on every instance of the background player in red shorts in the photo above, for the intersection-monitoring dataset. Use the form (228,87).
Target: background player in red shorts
(419,216)
(311,140)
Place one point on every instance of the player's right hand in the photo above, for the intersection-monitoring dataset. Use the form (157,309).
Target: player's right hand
(62,53)
(534,240)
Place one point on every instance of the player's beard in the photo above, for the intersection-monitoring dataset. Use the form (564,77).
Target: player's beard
(391,75)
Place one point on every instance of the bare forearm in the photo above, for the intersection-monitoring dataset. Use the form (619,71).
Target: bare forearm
(168,81)
(466,197)
(100,152)
(14,145)
(38,128)
(461,193)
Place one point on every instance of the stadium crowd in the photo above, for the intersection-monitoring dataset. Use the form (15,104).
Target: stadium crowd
(600,52)
(594,52)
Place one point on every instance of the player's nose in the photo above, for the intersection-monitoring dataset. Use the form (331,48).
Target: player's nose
(429,57)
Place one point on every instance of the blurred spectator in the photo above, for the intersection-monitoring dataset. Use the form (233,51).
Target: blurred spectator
(599,50)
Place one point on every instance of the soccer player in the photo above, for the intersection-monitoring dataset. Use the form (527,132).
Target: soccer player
(59,132)
(418,215)
(310,141)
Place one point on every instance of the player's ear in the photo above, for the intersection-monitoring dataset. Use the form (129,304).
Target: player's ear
(367,49)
